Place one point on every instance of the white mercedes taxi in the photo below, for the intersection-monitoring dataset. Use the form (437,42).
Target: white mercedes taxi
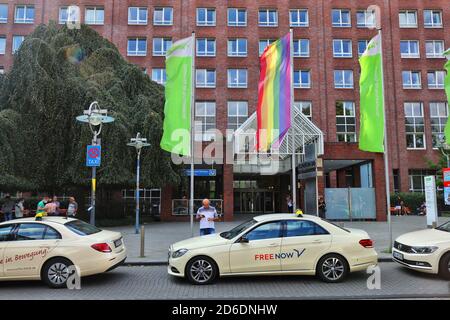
(425,250)
(274,244)
(45,250)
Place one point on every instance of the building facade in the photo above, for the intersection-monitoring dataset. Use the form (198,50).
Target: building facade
(329,36)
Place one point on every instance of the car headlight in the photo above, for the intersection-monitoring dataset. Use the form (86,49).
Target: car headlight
(179,253)
(423,250)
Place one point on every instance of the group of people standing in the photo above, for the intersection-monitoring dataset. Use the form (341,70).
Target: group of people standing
(12,209)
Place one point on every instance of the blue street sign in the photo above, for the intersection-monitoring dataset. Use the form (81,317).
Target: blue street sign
(93,156)
(201,172)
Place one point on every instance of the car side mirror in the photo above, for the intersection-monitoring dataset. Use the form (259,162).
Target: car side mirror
(244,239)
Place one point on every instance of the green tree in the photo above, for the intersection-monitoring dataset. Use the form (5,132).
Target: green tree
(56,74)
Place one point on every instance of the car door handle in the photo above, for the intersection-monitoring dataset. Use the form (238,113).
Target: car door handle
(273,244)
(317,241)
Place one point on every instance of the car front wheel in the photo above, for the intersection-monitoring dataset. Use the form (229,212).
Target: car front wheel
(55,272)
(201,270)
(444,266)
(332,268)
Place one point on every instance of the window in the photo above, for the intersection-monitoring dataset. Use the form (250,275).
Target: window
(159,75)
(436,79)
(237,78)
(205,78)
(432,18)
(345,121)
(435,48)
(24,14)
(415,128)
(270,230)
(137,47)
(365,19)
(206,47)
(17,42)
(161,45)
(341,18)
(408,19)
(343,79)
(411,80)
(305,107)
(163,16)
(263,45)
(2,70)
(409,49)
(237,47)
(438,118)
(268,18)
(82,228)
(3,13)
(137,15)
(31,231)
(205,119)
(237,113)
(302,79)
(63,15)
(5,232)
(2,44)
(206,17)
(301,48)
(299,228)
(298,18)
(362,46)
(237,17)
(416,179)
(342,48)
(95,15)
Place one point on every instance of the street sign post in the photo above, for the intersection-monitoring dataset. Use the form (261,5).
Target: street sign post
(93,155)
(430,199)
(202,172)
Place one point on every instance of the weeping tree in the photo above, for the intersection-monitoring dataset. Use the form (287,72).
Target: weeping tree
(57,73)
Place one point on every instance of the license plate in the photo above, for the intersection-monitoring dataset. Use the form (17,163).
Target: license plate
(398,255)
(118,243)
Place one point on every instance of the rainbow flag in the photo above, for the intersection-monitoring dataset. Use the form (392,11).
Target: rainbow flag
(274,94)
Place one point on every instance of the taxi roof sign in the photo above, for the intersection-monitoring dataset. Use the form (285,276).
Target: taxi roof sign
(299,213)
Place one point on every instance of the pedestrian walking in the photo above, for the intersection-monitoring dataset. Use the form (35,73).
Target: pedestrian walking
(19,208)
(207,215)
(72,208)
(322,207)
(290,204)
(8,207)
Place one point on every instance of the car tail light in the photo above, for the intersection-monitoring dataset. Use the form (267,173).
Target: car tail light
(102,247)
(366,243)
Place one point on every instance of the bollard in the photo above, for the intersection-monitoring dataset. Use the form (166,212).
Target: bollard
(142,241)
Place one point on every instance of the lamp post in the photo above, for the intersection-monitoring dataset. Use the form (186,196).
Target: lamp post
(95,117)
(138,143)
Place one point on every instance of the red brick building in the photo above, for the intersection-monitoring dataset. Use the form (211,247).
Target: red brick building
(329,36)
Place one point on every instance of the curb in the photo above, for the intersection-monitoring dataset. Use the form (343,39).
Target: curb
(164,263)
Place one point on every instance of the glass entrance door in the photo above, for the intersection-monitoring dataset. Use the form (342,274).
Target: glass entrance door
(251,201)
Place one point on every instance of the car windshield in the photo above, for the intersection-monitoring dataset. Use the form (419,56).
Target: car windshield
(82,228)
(237,230)
(445,227)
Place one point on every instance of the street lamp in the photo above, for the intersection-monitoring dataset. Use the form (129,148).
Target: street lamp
(138,143)
(95,117)
(443,148)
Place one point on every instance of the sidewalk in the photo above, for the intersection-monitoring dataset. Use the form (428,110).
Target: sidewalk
(160,235)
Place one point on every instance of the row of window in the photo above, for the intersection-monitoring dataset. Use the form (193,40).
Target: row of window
(236,17)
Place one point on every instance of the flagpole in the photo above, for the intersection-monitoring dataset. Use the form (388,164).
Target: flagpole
(191,197)
(386,147)
(294,180)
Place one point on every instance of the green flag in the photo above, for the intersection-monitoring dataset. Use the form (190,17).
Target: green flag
(447,90)
(371,136)
(178,93)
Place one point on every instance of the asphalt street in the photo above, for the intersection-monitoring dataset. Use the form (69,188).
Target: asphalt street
(152,282)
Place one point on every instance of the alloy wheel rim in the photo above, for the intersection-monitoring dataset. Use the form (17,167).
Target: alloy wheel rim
(333,268)
(201,271)
(58,273)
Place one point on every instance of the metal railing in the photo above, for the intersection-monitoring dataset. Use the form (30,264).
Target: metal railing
(180,207)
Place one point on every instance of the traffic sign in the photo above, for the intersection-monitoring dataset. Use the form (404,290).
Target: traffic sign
(202,172)
(93,155)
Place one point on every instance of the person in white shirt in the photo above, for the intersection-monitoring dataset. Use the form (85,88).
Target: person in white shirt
(207,215)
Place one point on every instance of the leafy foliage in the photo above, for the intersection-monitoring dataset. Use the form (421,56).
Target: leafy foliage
(56,74)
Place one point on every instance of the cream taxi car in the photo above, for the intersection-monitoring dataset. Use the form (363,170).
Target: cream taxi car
(425,250)
(274,244)
(33,250)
